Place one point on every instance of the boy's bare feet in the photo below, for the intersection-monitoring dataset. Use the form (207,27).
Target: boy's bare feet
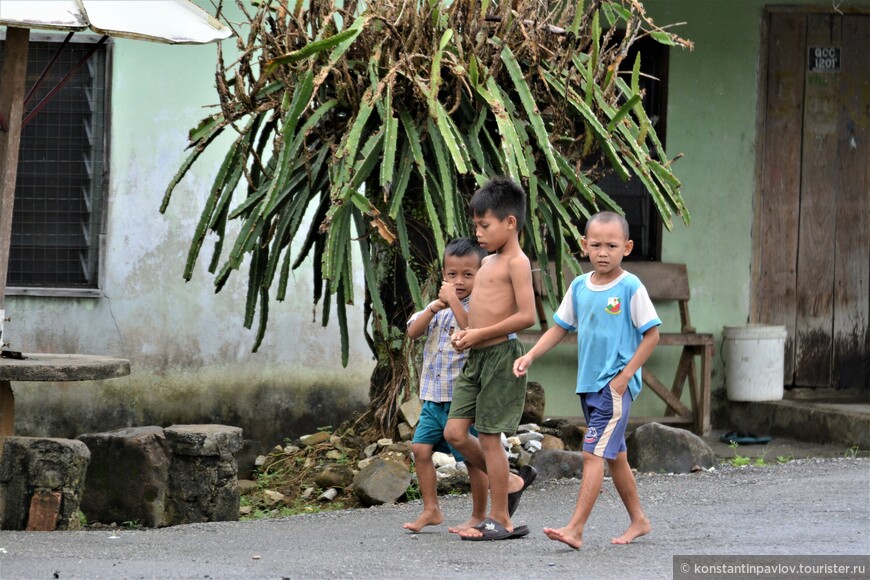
(469,523)
(566,536)
(634,531)
(427,518)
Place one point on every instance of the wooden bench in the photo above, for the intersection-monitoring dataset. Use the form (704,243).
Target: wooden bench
(666,283)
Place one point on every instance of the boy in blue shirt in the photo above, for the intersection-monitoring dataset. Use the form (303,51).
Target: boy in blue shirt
(617,331)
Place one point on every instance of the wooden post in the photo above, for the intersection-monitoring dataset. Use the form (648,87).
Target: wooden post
(14,74)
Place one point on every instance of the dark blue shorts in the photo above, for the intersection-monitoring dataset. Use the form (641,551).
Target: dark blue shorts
(606,415)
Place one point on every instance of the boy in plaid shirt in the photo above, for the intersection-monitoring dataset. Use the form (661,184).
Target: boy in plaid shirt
(441,366)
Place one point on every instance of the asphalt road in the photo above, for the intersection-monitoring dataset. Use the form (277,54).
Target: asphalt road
(805,507)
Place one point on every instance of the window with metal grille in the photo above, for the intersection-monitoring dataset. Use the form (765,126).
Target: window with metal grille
(58,213)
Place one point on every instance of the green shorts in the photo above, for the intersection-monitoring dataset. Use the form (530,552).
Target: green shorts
(487,390)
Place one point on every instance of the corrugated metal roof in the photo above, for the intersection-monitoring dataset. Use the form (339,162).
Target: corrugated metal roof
(168,21)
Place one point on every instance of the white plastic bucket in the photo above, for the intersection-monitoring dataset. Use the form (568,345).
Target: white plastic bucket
(754,362)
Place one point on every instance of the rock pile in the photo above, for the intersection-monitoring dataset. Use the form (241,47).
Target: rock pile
(344,469)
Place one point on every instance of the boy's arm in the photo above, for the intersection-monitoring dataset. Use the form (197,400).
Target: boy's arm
(448,296)
(551,338)
(420,321)
(619,383)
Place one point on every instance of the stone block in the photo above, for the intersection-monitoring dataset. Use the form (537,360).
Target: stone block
(572,436)
(551,442)
(203,481)
(410,410)
(127,477)
(406,432)
(315,438)
(661,449)
(555,464)
(336,475)
(381,481)
(202,489)
(41,466)
(208,440)
(536,400)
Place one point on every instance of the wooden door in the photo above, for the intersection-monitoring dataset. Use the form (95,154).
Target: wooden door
(812,262)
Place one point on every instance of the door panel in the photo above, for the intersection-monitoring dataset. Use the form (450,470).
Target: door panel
(813,262)
(818,209)
(780,179)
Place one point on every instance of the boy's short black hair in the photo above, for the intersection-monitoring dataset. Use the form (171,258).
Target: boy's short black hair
(606,217)
(503,197)
(461,247)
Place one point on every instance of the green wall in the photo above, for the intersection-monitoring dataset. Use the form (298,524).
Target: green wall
(711,120)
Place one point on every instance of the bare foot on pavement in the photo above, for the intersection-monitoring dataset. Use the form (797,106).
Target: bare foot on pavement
(633,532)
(427,518)
(566,536)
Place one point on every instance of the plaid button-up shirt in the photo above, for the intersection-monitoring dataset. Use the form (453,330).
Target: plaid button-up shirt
(441,362)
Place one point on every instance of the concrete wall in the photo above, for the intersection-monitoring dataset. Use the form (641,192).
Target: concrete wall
(190,356)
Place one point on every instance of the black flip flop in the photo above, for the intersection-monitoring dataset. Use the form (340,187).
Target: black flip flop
(528,473)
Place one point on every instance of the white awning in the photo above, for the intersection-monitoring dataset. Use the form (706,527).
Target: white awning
(168,21)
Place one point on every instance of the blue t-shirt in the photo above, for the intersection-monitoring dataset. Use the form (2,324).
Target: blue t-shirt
(610,321)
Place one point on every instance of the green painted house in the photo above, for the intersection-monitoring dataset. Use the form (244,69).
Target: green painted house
(769,113)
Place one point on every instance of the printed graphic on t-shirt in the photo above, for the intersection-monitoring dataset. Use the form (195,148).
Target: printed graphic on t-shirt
(614,306)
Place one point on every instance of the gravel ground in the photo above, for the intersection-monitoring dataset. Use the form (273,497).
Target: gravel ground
(805,507)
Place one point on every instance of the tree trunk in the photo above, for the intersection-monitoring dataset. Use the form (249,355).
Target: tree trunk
(394,353)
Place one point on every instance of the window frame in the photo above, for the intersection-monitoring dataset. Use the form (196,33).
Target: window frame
(82,38)
(655,105)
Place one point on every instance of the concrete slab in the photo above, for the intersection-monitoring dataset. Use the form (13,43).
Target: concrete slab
(62,367)
(780,447)
(821,417)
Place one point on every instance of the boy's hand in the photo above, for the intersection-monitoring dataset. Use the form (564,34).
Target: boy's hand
(464,339)
(437,306)
(447,293)
(619,384)
(521,365)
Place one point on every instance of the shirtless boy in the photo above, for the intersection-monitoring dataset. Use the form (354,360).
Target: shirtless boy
(487,393)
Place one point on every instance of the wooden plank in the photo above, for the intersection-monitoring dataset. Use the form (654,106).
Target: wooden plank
(633,421)
(820,186)
(685,368)
(777,221)
(665,338)
(664,394)
(691,339)
(662,281)
(702,412)
(851,338)
(7,410)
